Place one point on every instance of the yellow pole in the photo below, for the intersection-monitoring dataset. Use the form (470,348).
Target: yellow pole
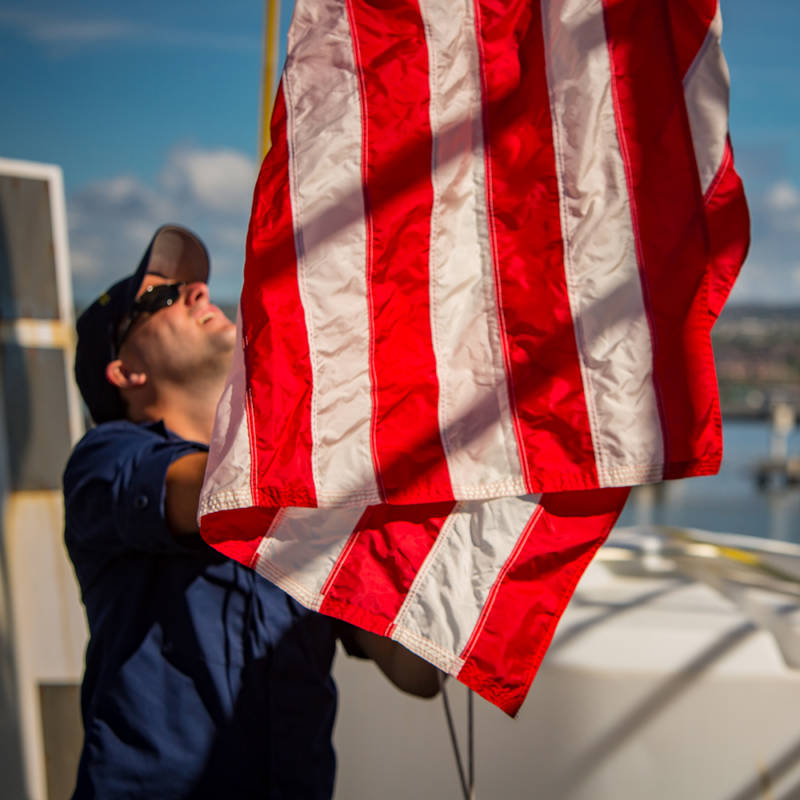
(269,72)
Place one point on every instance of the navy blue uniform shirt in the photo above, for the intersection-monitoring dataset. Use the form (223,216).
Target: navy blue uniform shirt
(202,679)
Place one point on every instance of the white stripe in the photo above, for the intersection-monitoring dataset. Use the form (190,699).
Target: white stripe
(45,333)
(600,258)
(302,547)
(449,592)
(474,414)
(227,481)
(324,134)
(706,87)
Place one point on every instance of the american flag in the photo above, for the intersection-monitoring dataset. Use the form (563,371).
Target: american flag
(485,255)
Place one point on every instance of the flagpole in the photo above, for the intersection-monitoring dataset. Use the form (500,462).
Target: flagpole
(269,70)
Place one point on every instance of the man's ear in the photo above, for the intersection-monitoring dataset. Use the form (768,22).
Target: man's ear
(123,378)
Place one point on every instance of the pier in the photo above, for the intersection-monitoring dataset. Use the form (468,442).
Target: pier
(780,470)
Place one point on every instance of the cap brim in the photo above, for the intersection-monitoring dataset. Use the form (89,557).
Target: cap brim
(176,253)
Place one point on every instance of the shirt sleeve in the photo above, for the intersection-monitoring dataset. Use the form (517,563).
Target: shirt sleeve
(114,490)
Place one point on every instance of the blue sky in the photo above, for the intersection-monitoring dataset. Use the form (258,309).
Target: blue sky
(152,111)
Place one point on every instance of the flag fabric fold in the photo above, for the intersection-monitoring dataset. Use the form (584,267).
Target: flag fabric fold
(486,251)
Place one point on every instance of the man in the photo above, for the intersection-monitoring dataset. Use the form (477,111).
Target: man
(202,679)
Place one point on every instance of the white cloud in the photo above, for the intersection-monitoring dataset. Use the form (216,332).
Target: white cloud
(111,221)
(770,274)
(761,282)
(81,32)
(221,179)
(61,32)
(85,258)
(782,196)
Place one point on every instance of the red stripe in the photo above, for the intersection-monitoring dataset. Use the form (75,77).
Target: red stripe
(689,21)
(368,242)
(392,60)
(276,342)
(728,230)
(388,547)
(237,533)
(533,591)
(669,225)
(522,194)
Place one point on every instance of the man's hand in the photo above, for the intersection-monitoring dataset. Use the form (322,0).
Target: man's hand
(405,670)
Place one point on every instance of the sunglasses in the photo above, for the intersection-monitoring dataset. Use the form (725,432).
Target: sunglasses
(152,299)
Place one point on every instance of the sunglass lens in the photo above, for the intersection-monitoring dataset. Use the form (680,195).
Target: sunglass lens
(158,297)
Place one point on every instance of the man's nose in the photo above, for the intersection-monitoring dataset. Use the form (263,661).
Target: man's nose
(195,292)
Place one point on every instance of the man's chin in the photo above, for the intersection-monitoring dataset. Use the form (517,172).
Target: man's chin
(229,336)
(224,346)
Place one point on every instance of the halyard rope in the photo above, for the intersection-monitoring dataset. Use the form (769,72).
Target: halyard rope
(468,780)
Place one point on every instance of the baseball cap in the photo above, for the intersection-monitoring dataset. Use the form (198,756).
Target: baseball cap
(174,252)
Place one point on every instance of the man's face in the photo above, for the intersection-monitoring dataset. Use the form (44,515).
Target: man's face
(187,341)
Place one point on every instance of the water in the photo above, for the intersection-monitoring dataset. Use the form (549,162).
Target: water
(729,502)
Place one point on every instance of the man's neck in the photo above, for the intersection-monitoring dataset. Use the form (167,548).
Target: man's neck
(190,416)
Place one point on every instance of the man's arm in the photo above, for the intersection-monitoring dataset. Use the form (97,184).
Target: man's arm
(183,483)
(405,670)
